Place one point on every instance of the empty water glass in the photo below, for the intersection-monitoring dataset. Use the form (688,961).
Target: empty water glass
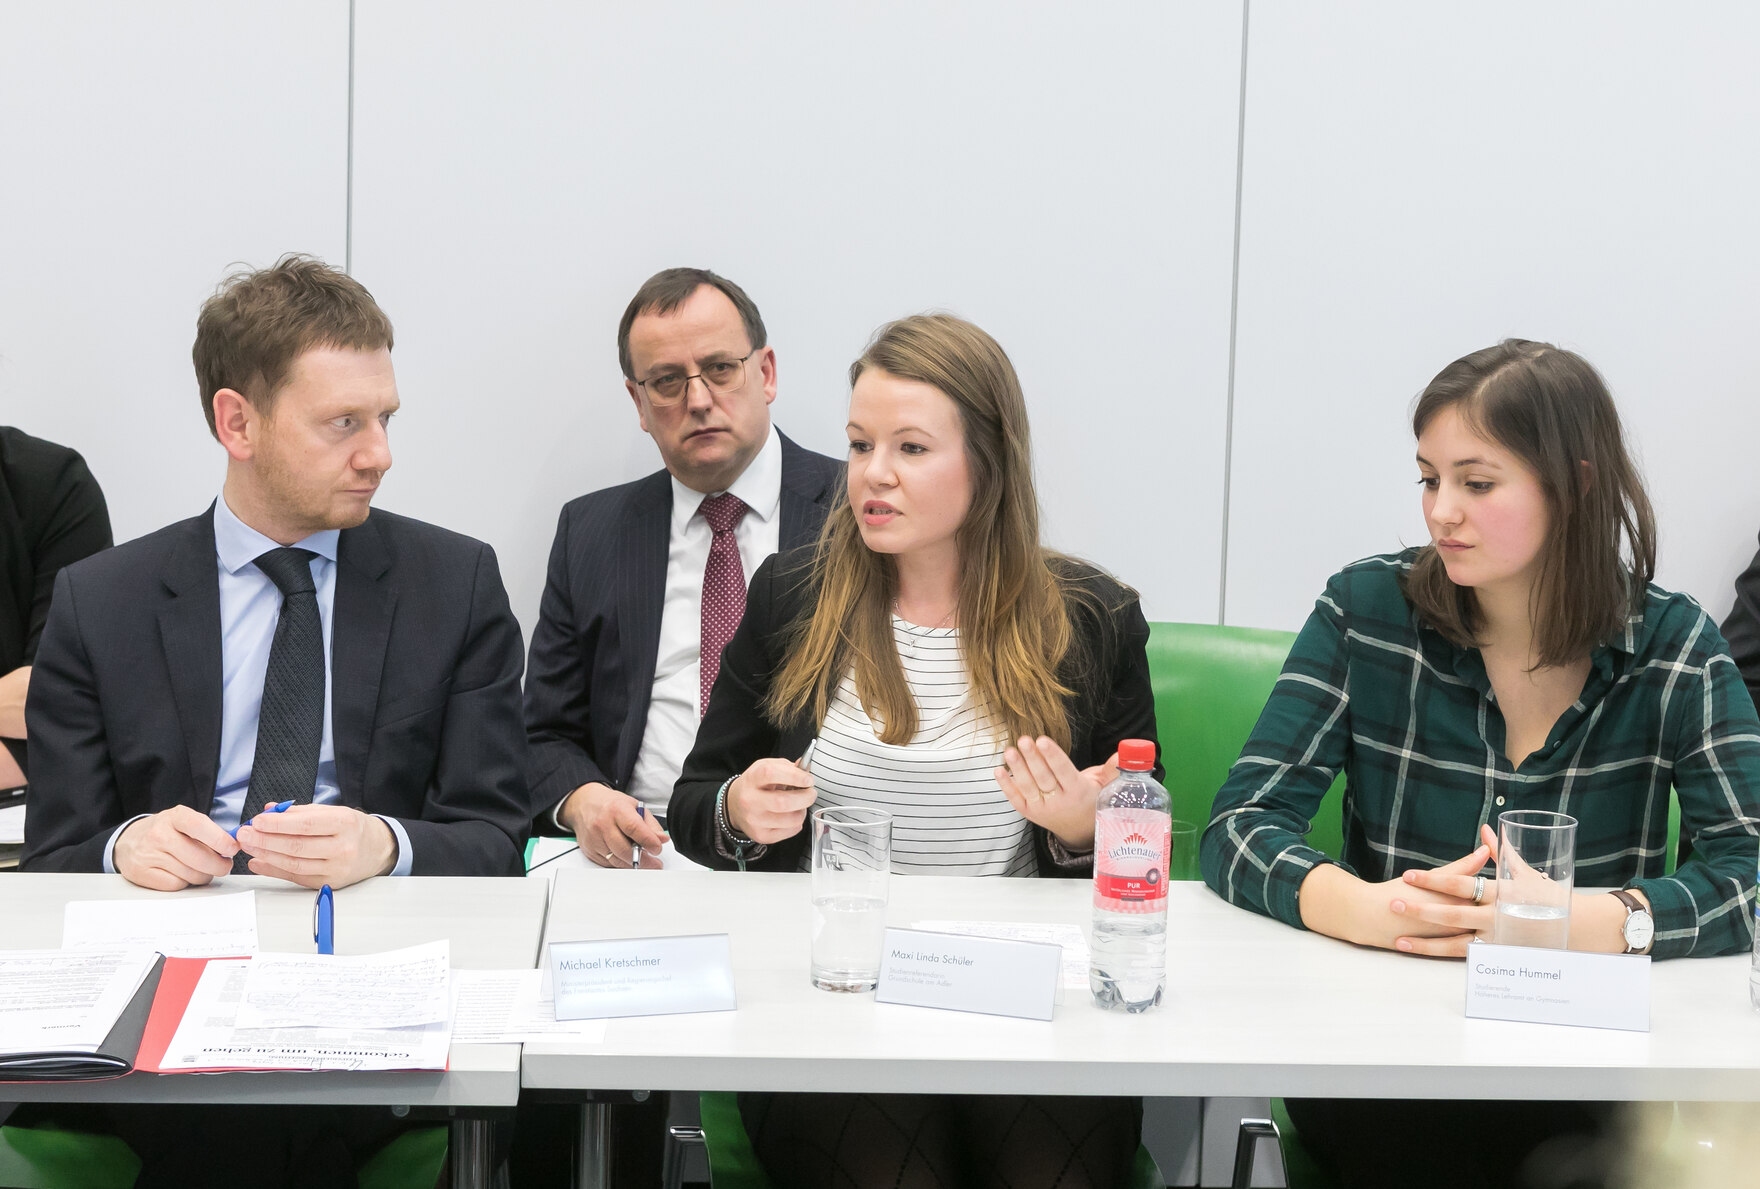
(852,863)
(1536,870)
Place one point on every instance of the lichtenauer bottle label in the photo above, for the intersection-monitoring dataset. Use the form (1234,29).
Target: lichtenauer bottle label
(1131,850)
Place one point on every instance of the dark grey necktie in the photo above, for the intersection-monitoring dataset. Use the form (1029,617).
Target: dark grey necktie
(290,725)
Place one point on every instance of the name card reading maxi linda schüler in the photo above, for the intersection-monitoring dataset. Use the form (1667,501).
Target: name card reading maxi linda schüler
(959,973)
(1535,986)
(642,976)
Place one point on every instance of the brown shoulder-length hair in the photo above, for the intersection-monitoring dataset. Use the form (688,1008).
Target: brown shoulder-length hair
(1015,629)
(1552,410)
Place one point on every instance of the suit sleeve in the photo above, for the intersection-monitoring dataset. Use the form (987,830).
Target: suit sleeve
(558,692)
(74,802)
(1741,630)
(733,734)
(477,809)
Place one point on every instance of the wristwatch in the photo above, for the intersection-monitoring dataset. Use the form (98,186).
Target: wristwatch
(1640,927)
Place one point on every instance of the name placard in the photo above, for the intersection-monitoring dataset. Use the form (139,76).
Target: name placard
(1534,986)
(978,974)
(642,976)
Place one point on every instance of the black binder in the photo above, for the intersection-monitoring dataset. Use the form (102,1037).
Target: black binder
(114,1057)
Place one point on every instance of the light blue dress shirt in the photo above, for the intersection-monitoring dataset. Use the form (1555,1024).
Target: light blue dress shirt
(250,607)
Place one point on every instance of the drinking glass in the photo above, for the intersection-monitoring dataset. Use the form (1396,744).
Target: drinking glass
(1182,853)
(1536,868)
(852,862)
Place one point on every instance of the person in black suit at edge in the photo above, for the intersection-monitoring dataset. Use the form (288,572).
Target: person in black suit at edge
(52,514)
(646,583)
(287,644)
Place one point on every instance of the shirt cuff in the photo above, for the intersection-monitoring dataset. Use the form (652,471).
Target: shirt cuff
(556,816)
(1283,882)
(110,847)
(1065,858)
(404,857)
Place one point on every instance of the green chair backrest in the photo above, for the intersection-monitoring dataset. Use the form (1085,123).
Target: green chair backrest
(1210,685)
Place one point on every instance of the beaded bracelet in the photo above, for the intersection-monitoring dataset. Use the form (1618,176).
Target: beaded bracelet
(739,841)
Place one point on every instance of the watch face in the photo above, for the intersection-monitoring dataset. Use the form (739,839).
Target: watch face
(1639,930)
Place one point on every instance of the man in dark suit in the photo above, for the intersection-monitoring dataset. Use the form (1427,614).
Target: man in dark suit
(380,652)
(646,584)
(647,580)
(292,647)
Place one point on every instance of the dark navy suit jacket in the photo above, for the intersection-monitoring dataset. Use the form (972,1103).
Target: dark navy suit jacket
(598,635)
(124,711)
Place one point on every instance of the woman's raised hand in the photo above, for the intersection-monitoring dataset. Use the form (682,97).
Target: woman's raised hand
(1045,787)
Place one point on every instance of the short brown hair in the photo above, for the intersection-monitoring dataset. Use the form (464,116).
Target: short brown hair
(259,321)
(670,288)
(1552,410)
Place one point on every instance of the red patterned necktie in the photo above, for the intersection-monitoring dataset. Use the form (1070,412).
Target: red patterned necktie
(724,587)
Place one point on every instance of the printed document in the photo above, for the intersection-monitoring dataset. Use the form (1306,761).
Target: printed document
(398,989)
(1075,946)
(176,926)
(51,1000)
(12,825)
(505,1006)
(208,1037)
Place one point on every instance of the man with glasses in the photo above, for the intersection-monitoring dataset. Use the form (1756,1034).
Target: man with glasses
(647,582)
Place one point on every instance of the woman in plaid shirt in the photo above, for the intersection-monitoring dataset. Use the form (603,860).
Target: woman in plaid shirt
(1522,660)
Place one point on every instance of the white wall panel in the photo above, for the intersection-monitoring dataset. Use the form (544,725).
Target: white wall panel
(1423,180)
(1063,175)
(144,148)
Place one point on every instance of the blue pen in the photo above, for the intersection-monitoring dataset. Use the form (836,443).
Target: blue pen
(281,807)
(324,920)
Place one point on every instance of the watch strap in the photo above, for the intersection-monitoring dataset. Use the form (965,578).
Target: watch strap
(1633,904)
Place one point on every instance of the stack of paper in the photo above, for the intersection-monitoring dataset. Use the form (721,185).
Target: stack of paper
(176,926)
(511,1006)
(11,832)
(306,1011)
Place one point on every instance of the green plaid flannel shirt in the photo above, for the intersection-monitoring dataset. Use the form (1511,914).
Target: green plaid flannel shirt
(1411,721)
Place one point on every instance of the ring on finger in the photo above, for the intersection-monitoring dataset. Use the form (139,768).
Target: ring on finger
(1478,889)
(610,857)
(1047,792)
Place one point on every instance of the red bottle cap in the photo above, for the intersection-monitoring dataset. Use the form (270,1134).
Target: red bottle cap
(1136,755)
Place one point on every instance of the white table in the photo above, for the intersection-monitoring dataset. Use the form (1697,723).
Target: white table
(1255,1008)
(490,923)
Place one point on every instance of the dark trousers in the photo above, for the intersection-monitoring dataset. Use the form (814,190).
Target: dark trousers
(266,1147)
(547,1134)
(941,1141)
(1369,1142)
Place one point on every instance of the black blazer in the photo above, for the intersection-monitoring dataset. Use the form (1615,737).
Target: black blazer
(125,701)
(1112,701)
(52,514)
(598,635)
(1742,628)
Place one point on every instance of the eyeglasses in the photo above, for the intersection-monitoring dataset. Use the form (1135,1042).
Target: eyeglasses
(721,375)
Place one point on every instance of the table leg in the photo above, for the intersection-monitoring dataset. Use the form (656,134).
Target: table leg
(472,1153)
(593,1168)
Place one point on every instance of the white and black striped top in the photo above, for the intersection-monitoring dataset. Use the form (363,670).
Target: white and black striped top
(948,815)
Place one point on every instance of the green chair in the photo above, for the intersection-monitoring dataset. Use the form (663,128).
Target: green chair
(56,1158)
(733,1164)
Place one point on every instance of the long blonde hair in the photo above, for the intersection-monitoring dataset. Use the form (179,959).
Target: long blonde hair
(1014,626)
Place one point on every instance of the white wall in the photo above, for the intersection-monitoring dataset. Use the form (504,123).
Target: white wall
(144,148)
(1423,180)
(1419,180)
(1062,176)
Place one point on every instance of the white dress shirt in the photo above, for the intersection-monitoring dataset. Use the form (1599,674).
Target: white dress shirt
(672,709)
(250,607)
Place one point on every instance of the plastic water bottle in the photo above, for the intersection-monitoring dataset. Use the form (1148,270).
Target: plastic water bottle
(1133,833)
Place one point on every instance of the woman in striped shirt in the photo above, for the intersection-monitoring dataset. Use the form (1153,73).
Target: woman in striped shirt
(948,668)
